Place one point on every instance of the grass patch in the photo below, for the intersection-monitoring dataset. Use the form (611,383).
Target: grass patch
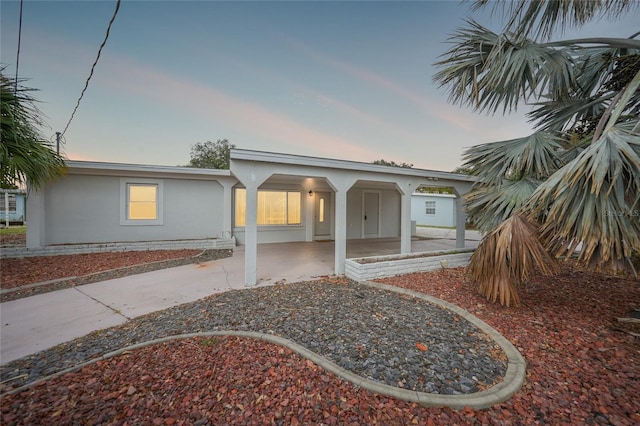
(209,342)
(13,230)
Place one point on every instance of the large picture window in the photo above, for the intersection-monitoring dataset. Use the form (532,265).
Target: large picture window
(141,201)
(274,207)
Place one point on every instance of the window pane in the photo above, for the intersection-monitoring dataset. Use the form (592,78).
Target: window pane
(241,206)
(142,202)
(293,208)
(142,193)
(12,203)
(321,207)
(430,207)
(272,208)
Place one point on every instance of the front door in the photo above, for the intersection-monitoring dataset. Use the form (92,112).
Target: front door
(371,214)
(322,214)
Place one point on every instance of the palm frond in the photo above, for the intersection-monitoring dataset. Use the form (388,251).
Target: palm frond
(489,205)
(485,70)
(592,203)
(508,257)
(535,156)
(24,156)
(543,17)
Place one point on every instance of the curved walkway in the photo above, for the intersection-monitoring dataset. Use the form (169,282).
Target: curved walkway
(385,339)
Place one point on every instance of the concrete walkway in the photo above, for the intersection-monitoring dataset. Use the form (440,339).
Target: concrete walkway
(39,322)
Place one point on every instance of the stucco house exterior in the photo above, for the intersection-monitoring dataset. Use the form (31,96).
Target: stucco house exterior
(263,197)
(13,204)
(433,209)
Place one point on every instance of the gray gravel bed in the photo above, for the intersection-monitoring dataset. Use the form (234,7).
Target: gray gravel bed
(372,332)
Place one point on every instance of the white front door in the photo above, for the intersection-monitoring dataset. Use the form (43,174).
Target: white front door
(370,214)
(322,214)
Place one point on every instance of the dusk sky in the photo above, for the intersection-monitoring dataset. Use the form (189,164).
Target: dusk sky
(346,80)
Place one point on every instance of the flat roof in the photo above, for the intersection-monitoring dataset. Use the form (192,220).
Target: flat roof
(303,160)
(112,168)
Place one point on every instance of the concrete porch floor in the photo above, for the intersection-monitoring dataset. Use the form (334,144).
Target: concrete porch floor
(300,261)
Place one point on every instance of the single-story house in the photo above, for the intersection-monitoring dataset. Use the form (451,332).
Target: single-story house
(263,197)
(433,209)
(13,206)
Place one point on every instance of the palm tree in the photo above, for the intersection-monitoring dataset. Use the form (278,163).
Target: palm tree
(576,179)
(24,157)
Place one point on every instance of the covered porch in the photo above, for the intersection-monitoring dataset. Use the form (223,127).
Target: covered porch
(367,207)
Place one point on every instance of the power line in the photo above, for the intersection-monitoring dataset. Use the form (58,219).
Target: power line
(86,85)
(18,51)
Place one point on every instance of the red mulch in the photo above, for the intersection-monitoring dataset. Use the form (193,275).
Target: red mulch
(28,270)
(581,370)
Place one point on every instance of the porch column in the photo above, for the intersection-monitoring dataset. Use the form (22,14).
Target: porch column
(340,229)
(36,224)
(226,215)
(405,219)
(251,237)
(461,219)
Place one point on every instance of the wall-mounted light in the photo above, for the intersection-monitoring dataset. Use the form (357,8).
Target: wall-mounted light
(310,193)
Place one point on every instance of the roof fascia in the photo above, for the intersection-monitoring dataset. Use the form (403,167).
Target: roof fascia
(113,169)
(302,160)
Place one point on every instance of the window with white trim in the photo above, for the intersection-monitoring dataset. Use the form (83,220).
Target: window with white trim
(12,203)
(141,201)
(274,207)
(430,207)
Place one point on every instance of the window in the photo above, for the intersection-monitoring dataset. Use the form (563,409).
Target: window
(321,208)
(274,207)
(12,203)
(141,201)
(430,207)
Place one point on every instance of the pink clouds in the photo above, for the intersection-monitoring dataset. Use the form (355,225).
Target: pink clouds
(218,106)
(430,107)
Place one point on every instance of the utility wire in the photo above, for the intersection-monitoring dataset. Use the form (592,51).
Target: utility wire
(18,51)
(115,12)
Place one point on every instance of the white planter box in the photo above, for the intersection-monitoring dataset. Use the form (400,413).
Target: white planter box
(369,268)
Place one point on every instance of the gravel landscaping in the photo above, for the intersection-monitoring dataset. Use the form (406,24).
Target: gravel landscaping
(582,365)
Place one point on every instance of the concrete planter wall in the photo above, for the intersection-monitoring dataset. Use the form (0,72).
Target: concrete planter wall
(204,244)
(369,268)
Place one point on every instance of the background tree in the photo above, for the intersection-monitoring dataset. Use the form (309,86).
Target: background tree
(24,154)
(211,155)
(575,181)
(383,162)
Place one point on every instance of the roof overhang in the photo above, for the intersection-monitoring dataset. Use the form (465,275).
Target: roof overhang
(118,169)
(302,160)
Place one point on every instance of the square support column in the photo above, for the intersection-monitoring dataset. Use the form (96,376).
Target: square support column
(461,220)
(227,186)
(405,220)
(37,227)
(340,230)
(251,237)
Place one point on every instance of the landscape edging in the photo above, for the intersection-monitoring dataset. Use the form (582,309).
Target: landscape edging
(511,383)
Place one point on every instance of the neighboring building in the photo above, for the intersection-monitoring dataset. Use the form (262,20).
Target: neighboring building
(13,206)
(264,197)
(433,209)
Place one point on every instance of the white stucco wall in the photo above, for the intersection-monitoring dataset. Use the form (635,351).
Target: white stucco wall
(445,209)
(86,209)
